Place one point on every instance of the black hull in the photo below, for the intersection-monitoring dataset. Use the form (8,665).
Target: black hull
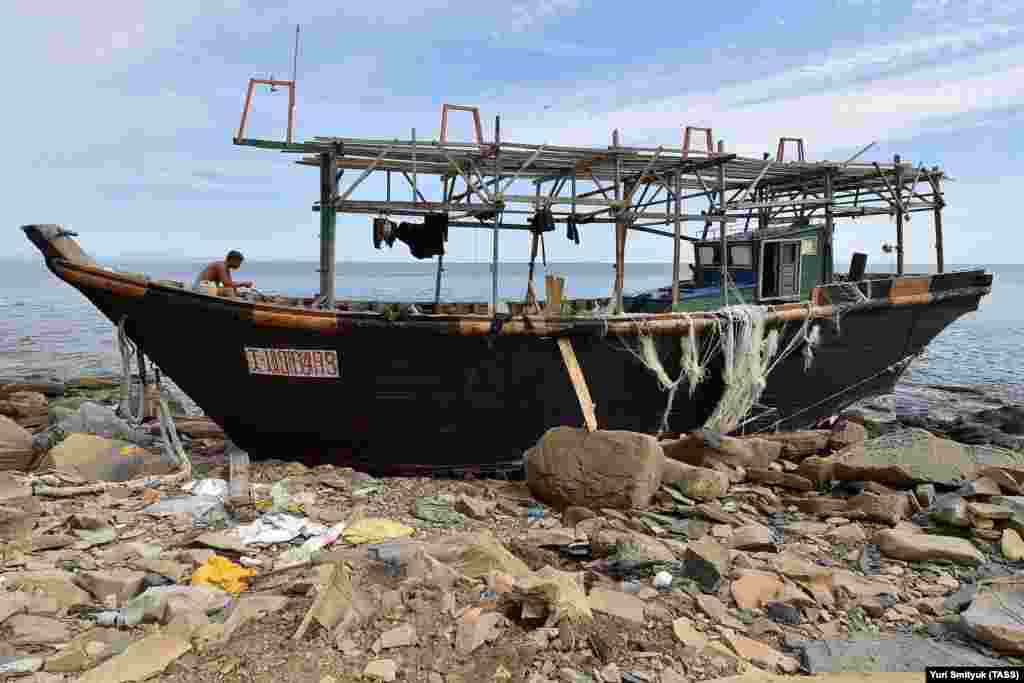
(409,398)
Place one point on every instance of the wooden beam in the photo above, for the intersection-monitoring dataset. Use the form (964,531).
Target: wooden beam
(579,383)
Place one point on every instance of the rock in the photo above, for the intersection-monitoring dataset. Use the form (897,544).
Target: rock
(888,509)
(16,665)
(982,486)
(951,509)
(474,508)
(611,674)
(847,433)
(925,494)
(141,660)
(761,655)
(877,605)
(753,589)
(962,598)
(996,617)
(989,511)
(175,571)
(707,563)
(400,636)
(879,656)
(817,470)
(55,584)
(753,537)
(124,584)
(475,628)
(799,445)
(32,630)
(712,607)
(912,456)
(695,482)
(697,450)
(641,547)
(809,529)
(12,487)
(688,635)
(615,469)
(859,587)
(816,580)
(381,669)
(617,604)
(1005,479)
(848,535)
(87,650)
(918,547)
(1012,545)
(783,479)
(96,458)
(575,514)
(781,613)
(934,607)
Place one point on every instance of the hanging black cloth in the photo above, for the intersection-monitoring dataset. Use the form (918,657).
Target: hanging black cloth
(571,231)
(425,239)
(542,221)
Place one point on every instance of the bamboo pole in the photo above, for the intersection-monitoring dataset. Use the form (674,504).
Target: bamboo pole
(899,216)
(935,181)
(328,223)
(722,223)
(676,246)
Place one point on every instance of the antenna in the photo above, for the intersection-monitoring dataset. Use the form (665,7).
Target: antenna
(295,56)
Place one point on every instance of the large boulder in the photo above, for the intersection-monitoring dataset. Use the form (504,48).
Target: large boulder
(602,469)
(996,616)
(100,459)
(914,456)
(15,445)
(914,547)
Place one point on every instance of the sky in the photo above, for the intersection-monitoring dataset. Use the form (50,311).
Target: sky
(119,116)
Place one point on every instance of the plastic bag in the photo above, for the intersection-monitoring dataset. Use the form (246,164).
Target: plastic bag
(375,530)
(206,509)
(210,487)
(224,574)
(92,418)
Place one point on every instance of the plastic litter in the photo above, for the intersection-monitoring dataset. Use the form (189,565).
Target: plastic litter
(92,418)
(535,512)
(224,574)
(277,527)
(217,488)
(361,489)
(206,509)
(154,580)
(436,511)
(375,530)
(315,544)
(631,587)
(126,617)
(662,580)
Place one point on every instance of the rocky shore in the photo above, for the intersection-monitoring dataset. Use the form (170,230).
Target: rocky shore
(879,543)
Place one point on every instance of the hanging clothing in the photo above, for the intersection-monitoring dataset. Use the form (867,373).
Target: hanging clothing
(542,221)
(572,233)
(425,239)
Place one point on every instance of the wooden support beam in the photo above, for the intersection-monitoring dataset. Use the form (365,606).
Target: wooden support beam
(939,203)
(899,216)
(328,224)
(579,383)
(676,246)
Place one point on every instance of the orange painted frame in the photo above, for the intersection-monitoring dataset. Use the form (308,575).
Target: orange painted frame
(253,82)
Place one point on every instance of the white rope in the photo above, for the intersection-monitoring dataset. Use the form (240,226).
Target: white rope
(128,349)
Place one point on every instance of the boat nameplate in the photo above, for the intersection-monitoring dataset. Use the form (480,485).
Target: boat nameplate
(292,362)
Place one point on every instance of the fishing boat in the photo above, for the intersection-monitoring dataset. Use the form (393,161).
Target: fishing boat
(763,336)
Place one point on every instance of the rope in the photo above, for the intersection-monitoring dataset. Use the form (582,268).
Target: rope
(168,430)
(128,350)
(903,361)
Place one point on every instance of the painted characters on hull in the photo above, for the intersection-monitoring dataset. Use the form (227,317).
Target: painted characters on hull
(293,362)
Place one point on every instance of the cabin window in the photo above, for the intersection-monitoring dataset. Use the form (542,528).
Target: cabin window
(741,256)
(708,256)
(780,270)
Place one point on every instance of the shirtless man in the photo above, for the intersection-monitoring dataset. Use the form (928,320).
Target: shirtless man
(220,271)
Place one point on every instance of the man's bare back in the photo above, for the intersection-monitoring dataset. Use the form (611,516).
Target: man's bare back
(220,271)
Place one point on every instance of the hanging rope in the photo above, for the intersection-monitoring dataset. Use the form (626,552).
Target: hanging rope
(128,351)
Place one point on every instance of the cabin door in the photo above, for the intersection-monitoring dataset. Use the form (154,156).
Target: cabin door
(780,270)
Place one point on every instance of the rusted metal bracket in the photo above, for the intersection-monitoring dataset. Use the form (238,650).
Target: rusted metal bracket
(253,82)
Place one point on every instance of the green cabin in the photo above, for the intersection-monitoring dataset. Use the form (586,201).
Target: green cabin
(775,266)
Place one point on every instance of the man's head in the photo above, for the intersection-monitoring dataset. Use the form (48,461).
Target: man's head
(234,259)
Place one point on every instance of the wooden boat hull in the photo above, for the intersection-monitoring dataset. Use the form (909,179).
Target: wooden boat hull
(329,387)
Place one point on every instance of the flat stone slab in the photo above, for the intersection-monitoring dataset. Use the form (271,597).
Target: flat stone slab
(915,456)
(878,655)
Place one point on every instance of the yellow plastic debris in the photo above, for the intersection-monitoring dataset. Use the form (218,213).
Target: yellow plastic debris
(375,530)
(224,574)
